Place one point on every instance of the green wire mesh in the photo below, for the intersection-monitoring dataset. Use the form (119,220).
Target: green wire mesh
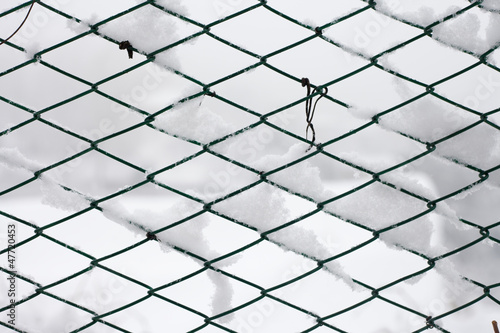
(261,120)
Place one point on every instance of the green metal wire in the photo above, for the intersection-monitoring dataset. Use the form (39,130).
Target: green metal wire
(205,149)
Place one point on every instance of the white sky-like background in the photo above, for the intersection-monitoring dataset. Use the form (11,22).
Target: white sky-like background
(455,45)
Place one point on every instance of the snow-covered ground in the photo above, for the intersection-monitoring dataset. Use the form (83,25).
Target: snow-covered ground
(58,202)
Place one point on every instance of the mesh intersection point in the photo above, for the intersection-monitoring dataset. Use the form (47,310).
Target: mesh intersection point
(175,190)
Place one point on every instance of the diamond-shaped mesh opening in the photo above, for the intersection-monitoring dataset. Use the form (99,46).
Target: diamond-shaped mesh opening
(30,77)
(371,33)
(426,60)
(213,64)
(249,166)
(82,67)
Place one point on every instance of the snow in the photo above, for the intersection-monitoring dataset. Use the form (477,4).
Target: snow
(55,196)
(307,13)
(413,119)
(363,113)
(301,178)
(12,158)
(493,31)
(422,12)
(379,206)
(223,295)
(376,206)
(478,204)
(447,268)
(173,5)
(188,236)
(410,182)
(189,120)
(31,50)
(147,29)
(491,4)
(465,32)
(79,27)
(263,208)
(185,236)
(479,146)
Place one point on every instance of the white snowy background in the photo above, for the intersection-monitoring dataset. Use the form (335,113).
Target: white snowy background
(453,46)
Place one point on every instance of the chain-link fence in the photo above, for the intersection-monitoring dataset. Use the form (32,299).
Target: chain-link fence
(278,166)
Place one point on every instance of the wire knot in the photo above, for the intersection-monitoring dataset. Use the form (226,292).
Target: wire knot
(310,107)
(125,45)
(151,236)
